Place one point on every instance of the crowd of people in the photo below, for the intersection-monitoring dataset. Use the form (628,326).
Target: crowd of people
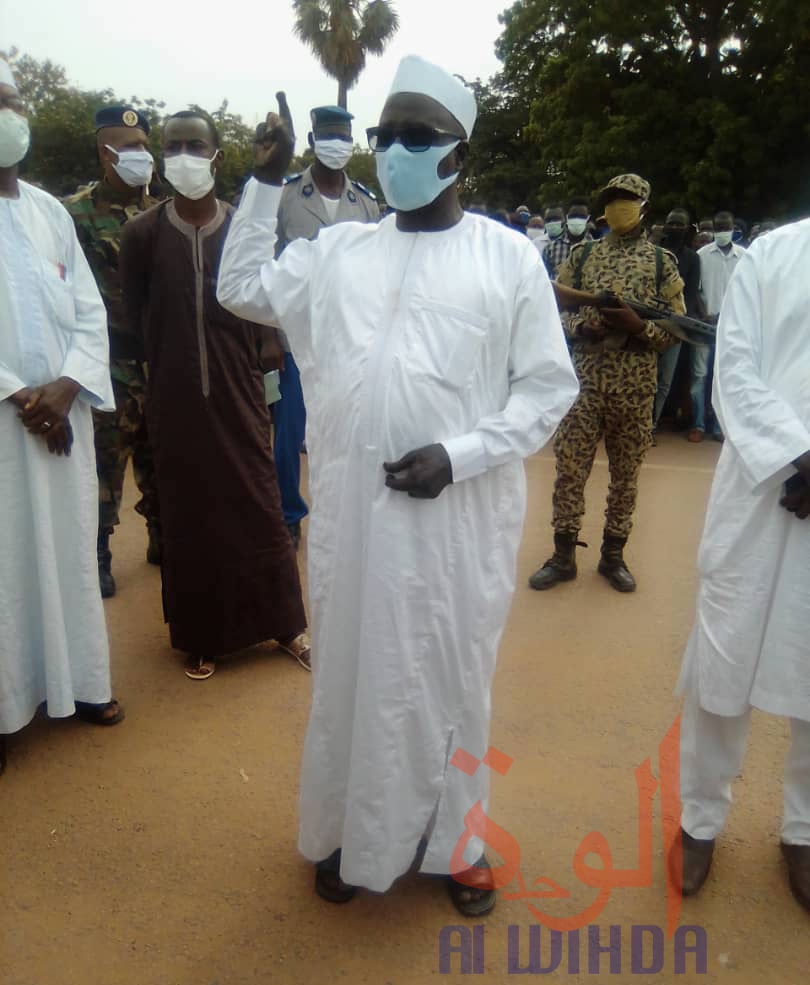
(429,353)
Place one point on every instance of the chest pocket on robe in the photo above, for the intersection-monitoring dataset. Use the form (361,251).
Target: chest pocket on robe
(442,342)
(58,296)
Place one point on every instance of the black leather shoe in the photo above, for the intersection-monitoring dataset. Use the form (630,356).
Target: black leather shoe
(695,863)
(105,578)
(611,564)
(798,863)
(561,566)
(154,552)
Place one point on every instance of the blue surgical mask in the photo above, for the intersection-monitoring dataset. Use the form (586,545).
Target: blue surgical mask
(409,179)
(554,229)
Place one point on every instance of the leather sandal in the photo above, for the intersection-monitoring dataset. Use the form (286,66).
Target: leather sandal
(109,713)
(473,901)
(328,884)
(300,648)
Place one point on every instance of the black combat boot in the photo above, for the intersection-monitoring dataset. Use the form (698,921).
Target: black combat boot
(154,552)
(612,565)
(561,566)
(106,580)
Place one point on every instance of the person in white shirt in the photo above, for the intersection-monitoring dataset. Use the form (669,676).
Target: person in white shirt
(717,263)
(433,361)
(749,644)
(54,366)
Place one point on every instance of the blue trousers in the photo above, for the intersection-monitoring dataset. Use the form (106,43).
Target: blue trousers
(289,429)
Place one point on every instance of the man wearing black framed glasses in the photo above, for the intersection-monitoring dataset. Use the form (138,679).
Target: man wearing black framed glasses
(433,361)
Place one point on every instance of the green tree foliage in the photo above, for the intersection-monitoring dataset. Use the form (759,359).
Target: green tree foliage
(342,32)
(63,143)
(706,99)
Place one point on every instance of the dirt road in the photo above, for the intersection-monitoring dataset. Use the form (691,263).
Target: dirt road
(162,852)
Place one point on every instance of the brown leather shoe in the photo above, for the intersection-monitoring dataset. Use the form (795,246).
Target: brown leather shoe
(695,863)
(798,863)
(695,436)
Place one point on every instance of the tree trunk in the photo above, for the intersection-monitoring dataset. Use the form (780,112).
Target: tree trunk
(342,94)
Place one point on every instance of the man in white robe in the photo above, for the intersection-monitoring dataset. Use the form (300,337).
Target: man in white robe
(53,367)
(750,643)
(431,343)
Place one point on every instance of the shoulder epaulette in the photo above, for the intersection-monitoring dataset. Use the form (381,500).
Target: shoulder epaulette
(80,195)
(293,177)
(366,191)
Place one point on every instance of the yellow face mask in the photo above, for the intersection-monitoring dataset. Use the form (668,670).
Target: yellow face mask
(623,214)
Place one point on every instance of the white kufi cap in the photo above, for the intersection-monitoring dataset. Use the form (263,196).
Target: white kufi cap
(6,75)
(416,75)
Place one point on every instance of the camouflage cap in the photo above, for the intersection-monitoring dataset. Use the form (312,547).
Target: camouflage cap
(632,183)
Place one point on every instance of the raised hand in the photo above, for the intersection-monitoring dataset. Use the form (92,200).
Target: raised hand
(274,144)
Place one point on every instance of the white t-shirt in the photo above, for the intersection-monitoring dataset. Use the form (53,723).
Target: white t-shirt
(331,206)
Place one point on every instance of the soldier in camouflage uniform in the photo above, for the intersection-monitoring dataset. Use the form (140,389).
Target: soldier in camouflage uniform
(615,356)
(100,211)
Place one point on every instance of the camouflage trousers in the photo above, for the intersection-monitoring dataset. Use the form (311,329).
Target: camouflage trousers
(623,420)
(120,435)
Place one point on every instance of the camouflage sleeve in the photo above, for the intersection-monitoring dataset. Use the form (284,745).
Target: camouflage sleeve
(565,272)
(571,320)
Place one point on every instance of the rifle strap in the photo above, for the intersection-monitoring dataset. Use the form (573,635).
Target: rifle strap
(582,256)
(659,270)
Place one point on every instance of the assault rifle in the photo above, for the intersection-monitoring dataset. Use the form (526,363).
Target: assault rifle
(687,329)
(683,327)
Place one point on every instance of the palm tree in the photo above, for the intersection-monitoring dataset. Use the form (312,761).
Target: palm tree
(342,32)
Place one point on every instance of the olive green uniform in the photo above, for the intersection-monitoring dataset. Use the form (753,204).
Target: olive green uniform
(99,215)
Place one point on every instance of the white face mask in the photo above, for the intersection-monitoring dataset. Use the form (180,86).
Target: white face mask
(190,175)
(14,138)
(576,226)
(134,167)
(535,232)
(334,154)
(723,238)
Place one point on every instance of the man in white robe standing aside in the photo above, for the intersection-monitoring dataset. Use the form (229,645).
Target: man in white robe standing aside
(53,367)
(749,646)
(433,361)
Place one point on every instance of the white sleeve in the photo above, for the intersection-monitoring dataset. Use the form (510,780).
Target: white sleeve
(10,383)
(762,427)
(253,285)
(542,386)
(87,360)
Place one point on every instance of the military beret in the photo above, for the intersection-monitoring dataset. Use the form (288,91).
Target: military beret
(120,116)
(632,183)
(323,116)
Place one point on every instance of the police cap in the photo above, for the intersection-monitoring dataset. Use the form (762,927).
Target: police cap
(120,116)
(325,116)
(632,183)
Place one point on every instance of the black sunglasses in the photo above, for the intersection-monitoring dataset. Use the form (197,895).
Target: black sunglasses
(414,138)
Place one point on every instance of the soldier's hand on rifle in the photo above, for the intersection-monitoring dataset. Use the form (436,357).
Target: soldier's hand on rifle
(275,141)
(622,319)
(594,331)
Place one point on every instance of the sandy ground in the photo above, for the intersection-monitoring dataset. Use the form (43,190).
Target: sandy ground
(162,852)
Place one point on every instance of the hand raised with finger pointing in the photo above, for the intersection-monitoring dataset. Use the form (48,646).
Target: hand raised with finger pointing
(274,145)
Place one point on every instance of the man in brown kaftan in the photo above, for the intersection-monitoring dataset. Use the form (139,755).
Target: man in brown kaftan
(230,577)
